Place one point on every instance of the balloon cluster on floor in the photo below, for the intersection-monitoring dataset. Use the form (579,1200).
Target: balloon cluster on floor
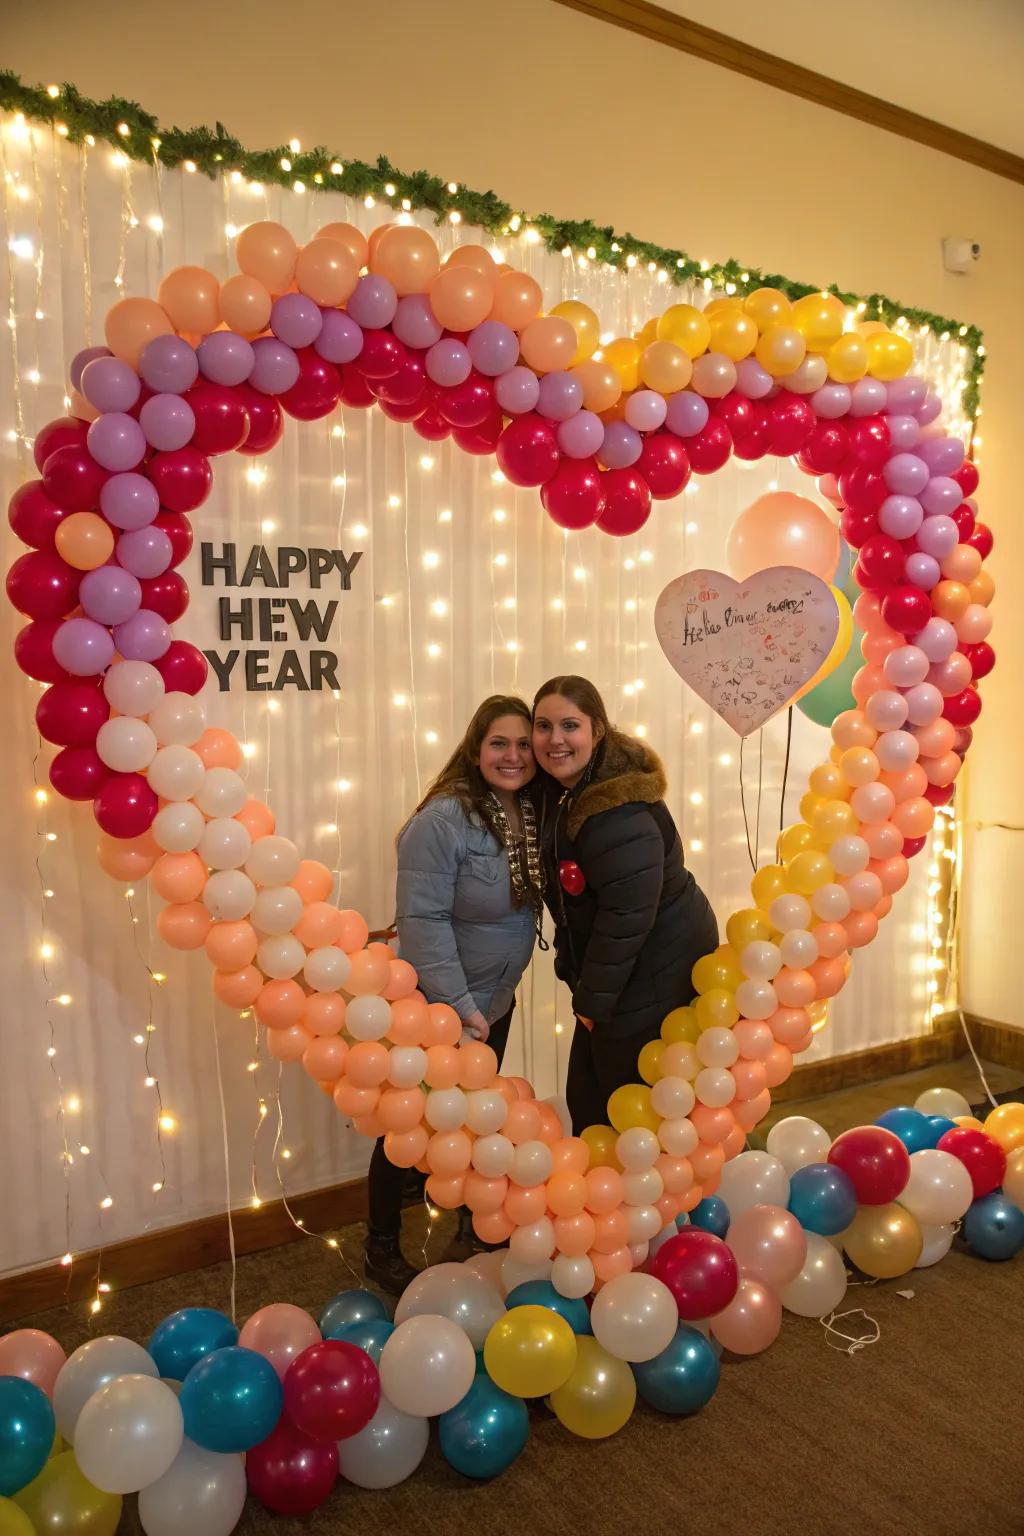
(351,1394)
(208,368)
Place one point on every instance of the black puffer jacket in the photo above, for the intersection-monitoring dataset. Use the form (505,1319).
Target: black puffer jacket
(627,942)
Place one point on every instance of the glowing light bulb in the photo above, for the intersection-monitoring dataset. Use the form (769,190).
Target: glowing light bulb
(439,607)
(343,786)
(106,1203)
(431,559)
(46,951)
(168,1123)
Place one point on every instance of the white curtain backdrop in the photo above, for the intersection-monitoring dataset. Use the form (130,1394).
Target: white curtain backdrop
(464,587)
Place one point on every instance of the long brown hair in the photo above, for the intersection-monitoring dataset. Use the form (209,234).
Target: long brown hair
(461,777)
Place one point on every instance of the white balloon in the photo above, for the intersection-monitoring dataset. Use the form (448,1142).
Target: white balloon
(895,750)
(753,1178)
(942,1101)
(125,744)
(427,1366)
(89,1368)
(277,909)
(133,687)
(517,1271)
(638,1253)
(799,948)
(715,1086)
(637,1149)
(281,957)
(572,1275)
(531,1164)
(222,793)
(228,895)
(717,1047)
(176,773)
(634,1317)
(202,1493)
(937,1242)
(179,719)
(445,1109)
(534,1243)
(368,1018)
(225,843)
(939,1188)
(492,1155)
(790,911)
(454,1292)
(486,1111)
(850,854)
(273,861)
(644,1223)
(678,1137)
(178,827)
(128,1434)
(488,1266)
(643,1187)
(756,1000)
(672,1097)
(407,1066)
(821,1284)
(830,902)
(381,1455)
(326,969)
(760,960)
(797,1141)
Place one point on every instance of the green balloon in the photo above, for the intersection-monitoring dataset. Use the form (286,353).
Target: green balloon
(833,694)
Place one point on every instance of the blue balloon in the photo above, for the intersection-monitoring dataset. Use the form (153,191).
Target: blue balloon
(482,1436)
(822,1198)
(909,1125)
(994,1227)
(541,1293)
(350,1307)
(939,1124)
(186,1336)
(683,1377)
(231,1400)
(371,1334)
(27,1428)
(712,1215)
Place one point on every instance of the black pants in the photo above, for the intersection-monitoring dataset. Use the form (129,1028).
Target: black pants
(386,1182)
(597,1066)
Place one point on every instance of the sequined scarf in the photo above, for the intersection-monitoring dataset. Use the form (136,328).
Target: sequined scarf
(525,865)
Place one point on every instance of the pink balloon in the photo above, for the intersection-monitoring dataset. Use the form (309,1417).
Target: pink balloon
(752,1319)
(782,529)
(279,1333)
(32,1355)
(769,1244)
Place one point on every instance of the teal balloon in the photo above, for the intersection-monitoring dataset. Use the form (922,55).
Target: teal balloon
(835,692)
(847,566)
(186,1336)
(27,1428)
(541,1293)
(994,1227)
(350,1307)
(231,1400)
(371,1334)
(482,1436)
(683,1377)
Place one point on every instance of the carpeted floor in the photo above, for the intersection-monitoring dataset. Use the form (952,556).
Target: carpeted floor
(919,1434)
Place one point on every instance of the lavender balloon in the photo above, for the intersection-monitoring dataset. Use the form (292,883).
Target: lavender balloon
(145,552)
(168,422)
(905,395)
(143,637)
(116,441)
(906,474)
(83,647)
(225,358)
(867,397)
(517,391)
(900,516)
(494,348)
(687,413)
(295,320)
(646,410)
(560,397)
(941,495)
(943,455)
(832,401)
(340,340)
(622,446)
(752,380)
(448,363)
(581,436)
(169,365)
(129,500)
(938,536)
(275,367)
(81,361)
(373,303)
(929,409)
(904,432)
(922,570)
(110,385)
(937,639)
(110,595)
(415,322)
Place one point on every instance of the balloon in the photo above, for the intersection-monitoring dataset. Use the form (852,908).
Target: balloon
(530,1352)
(752,1319)
(910,1125)
(485,1433)
(61,1501)
(712,1215)
(782,529)
(542,1293)
(797,1141)
(32,1355)
(231,1400)
(768,1244)
(452,1291)
(290,1473)
(822,1198)
(427,1366)
(699,1270)
(387,1451)
(350,1307)
(13,1520)
(983,1158)
(684,1377)
(939,1188)
(753,1178)
(279,1332)
(371,1334)
(942,1101)
(634,1317)
(331,1390)
(598,1397)
(202,1493)
(833,694)
(876,1162)
(821,1284)
(883,1240)
(27,1427)
(128,1434)
(994,1227)
(89,1368)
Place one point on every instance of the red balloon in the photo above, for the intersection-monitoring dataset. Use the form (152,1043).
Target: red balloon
(912,846)
(166,594)
(982,539)
(983,1158)
(467,404)
(881,563)
(355,388)
(876,1161)
(699,1270)
(316,391)
(906,609)
(70,714)
(862,489)
(967,477)
(409,384)
(981,657)
(290,1473)
(183,667)
(182,478)
(78,773)
(481,440)
(826,450)
(33,516)
(73,479)
(411,410)
(857,527)
(179,530)
(431,425)
(33,651)
(125,805)
(664,464)
(266,423)
(65,432)
(331,1390)
(222,421)
(382,355)
(739,414)
(962,708)
(752,441)
(42,585)
(791,421)
(574,497)
(711,447)
(527,451)
(963,516)
(627,501)
(869,441)
(938,794)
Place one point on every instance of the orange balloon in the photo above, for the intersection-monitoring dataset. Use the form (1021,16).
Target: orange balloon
(410,1018)
(478,1065)
(677,1172)
(461,297)
(706,1161)
(290,1045)
(444,1027)
(280,1004)
(219,749)
(353,1101)
(493,1227)
(319,926)
(647,333)
(623,355)
(605,1190)
(324,1058)
(472,256)
(325,1013)
(517,299)
(448,1152)
(354,932)
(575,1235)
(401,1109)
(267,251)
(401,982)
(666,367)
(586,325)
(442,1066)
(314,881)
(601,385)
(373,240)
(184,925)
(367,1064)
(84,540)
(782,529)
(257,819)
(353,239)
(368,974)
(525,1206)
(179,877)
(231,945)
(131,324)
(609,1266)
(484,1195)
(982,588)
(326,271)
(547,344)
(951,600)
(191,297)
(522,1122)
(914,817)
(570,1155)
(567,1193)
(238,989)
(405,1148)
(408,257)
(127,858)
(611,1230)
(244,305)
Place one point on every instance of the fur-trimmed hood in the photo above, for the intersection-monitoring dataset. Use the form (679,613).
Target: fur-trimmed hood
(626,772)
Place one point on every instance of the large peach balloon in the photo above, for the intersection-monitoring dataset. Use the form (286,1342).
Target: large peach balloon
(245,305)
(191,297)
(84,540)
(131,324)
(408,257)
(517,299)
(601,385)
(472,256)
(326,271)
(184,925)
(586,325)
(782,529)
(267,252)
(350,237)
(548,343)
(127,858)
(239,989)
(461,297)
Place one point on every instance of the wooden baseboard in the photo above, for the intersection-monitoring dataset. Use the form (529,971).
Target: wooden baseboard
(997,1042)
(945,1043)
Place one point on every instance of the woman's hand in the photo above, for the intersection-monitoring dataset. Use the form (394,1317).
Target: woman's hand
(477,1026)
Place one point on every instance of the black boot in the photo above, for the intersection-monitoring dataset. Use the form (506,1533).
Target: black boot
(386,1265)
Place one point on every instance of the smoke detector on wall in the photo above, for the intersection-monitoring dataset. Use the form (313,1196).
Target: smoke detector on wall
(960,254)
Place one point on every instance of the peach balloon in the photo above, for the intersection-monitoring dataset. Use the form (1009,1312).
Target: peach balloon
(608,1266)
(353,1101)
(574,1235)
(185,925)
(280,1004)
(483,1194)
(448,1152)
(32,1355)
(374,238)
(131,324)
(751,1112)
(711,1125)
(408,257)
(567,1193)
(942,770)
(906,783)
(493,1227)
(778,1065)
(789,1024)
(750,1079)
(478,1065)
(319,925)
(461,297)
(353,239)
(406,1148)
(831,940)
(851,729)
(523,1088)
(793,988)
(219,749)
(191,297)
(517,299)
(525,1206)
(369,1125)
(472,256)
(244,305)
(401,981)
(735,1142)
(914,818)
(570,1155)
(442,1066)
(354,931)
(368,974)
(290,1045)
(611,1230)
(267,251)
(326,272)
(548,344)
(324,1058)
(550,1126)
(861,928)
(325,1013)
(444,1027)
(84,540)
(665,367)
(604,1190)
(238,989)
(257,819)
(782,529)
(892,874)
(522,1123)
(231,945)
(936,738)
(950,600)
(962,564)
(367,1064)
(883,838)
(179,876)
(707,1161)
(695,1194)
(753,1038)
(982,588)
(81,408)
(402,1108)
(601,385)
(410,1020)
(676,1173)
(128,858)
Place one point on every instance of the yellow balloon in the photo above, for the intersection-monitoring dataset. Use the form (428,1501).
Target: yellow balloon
(808,871)
(601,385)
(599,1396)
(968,1122)
(586,325)
(716,1009)
(733,333)
(821,317)
(14,1521)
(833,819)
(647,333)
(687,327)
(630,1106)
(808,805)
(817,1012)
(769,882)
(530,1352)
(768,306)
(649,1059)
(63,1502)
(826,780)
(840,645)
(1005,1124)
(793,841)
(600,1141)
(624,356)
(889,356)
(781,350)
(666,367)
(679,1025)
(1013,1179)
(847,358)
(883,1240)
(747,925)
(870,327)
(719,969)
(730,303)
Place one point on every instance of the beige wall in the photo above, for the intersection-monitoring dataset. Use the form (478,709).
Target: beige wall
(562,113)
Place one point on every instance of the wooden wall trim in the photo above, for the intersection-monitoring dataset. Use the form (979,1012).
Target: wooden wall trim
(997,1042)
(672,31)
(813,1078)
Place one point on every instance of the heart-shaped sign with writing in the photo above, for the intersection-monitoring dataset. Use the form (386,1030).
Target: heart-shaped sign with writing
(747,647)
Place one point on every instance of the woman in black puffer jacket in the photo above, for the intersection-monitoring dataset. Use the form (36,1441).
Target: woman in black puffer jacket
(630,920)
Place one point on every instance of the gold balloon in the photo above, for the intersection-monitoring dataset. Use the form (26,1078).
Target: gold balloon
(600,1143)
(665,366)
(530,1352)
(687,327)
(719,969)
(61,1501)
(793,841)
(847,358)
(586,325)
(601,384)
(889,356)
(733,333)
(840,645)
(14,1521)
(833,819)
(679,1025)
(746,926)
(647,334)
(820,317)
(781,350)
(768,306)
(883,1240)
(1005,1124)
(808,805)
(809,870)
(716,1009)
(1013,1180)
(769,882)
(630,1106)
(599,1396)
(623,355)
(648,1062)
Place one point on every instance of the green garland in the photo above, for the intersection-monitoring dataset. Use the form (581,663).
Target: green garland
(214,152)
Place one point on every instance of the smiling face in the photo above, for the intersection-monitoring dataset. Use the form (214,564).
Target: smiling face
(563,738)
(506,757)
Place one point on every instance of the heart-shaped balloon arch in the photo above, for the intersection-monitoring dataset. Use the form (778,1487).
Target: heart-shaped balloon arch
(464,351)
